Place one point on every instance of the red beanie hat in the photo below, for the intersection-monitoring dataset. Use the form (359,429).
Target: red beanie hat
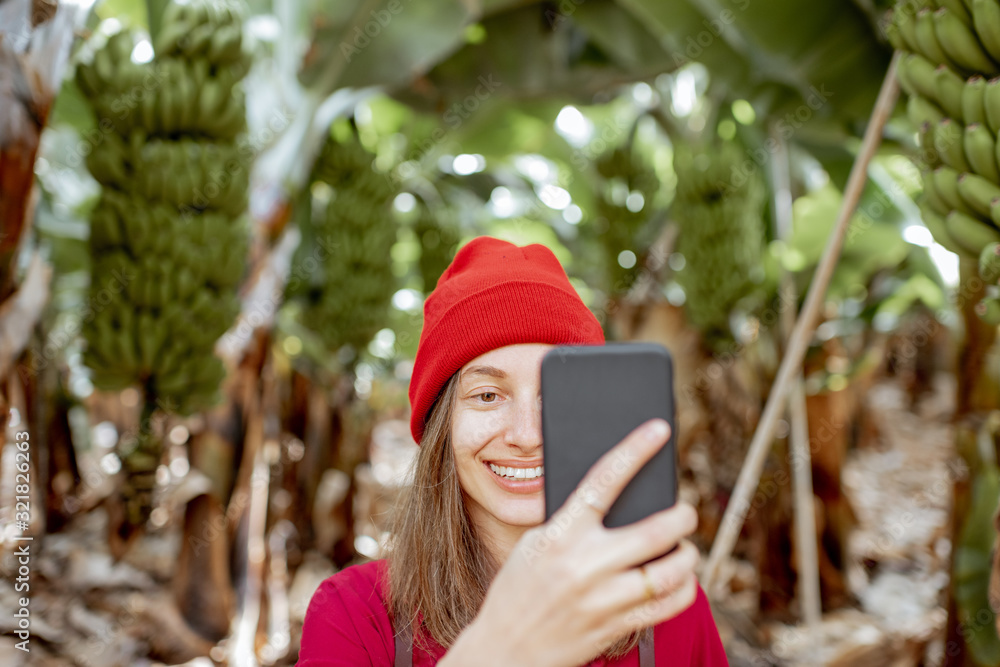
(493,294)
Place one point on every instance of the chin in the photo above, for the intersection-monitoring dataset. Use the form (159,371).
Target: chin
(526,514)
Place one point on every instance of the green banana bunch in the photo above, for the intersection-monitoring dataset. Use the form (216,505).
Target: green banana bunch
(341,278)
(719,211)
(625,216)
(951,71)
(169,235)
(970,572)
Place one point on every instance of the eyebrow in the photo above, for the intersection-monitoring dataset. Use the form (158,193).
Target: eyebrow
(492,371)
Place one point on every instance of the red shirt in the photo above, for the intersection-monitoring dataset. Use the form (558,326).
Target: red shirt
(347,625)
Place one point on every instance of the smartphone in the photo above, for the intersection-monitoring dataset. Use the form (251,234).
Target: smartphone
(592,397)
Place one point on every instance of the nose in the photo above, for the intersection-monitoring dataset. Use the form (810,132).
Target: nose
(525,429)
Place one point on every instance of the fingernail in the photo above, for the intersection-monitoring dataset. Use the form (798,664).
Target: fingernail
(657,430)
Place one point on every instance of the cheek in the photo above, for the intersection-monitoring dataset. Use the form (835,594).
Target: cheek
(471,431)
(463,442)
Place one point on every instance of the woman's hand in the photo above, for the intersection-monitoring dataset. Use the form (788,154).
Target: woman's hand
(572,586)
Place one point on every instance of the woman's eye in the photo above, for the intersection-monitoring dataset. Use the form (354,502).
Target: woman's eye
(485,394)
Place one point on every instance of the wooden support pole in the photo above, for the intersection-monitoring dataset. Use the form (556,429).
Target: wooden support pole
(799,455)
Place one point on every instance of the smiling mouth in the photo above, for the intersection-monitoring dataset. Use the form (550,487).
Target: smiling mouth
(507,472)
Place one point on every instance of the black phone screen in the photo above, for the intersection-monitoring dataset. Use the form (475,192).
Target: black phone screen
(592,397)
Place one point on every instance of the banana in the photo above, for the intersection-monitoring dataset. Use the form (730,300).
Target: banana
(929,153)
(201,12)
(906,22)
(187,97)
(918,73)
(949,91)
(166,120)
(960,43)
(927,40)
(199,68)
(959,9)
(164,290)
(184,282)
(986,19)
(995,212)
(142,236)
(233,120)
(210,101)
(948,142)
(931,196)
(991,104)
(199,40)
(169,38)
(232,49)
(945,180)
(989,263)
(178,13)
(973,109)
(980,149)
(970,233)
(978,193)
(225,44)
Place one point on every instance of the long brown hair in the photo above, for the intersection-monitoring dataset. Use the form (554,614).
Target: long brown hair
(439,565)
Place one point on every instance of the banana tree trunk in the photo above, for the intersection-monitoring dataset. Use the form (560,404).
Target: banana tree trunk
(35,39)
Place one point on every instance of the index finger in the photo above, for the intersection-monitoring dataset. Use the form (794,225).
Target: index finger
(607,478)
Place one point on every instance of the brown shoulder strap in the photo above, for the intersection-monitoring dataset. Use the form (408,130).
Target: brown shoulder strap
(404,648)
(647,650)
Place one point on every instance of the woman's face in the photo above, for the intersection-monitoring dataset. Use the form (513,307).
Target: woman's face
(497,436)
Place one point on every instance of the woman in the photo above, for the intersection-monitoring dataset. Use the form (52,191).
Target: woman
(474,576)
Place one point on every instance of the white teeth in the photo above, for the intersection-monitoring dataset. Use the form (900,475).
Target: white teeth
(517,473)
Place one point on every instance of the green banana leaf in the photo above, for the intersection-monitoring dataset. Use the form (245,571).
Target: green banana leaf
(971,573)
(823,54)
(870,246)
(381,42)
(535,51)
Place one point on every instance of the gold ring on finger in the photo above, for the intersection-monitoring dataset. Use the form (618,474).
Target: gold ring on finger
(650,588)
